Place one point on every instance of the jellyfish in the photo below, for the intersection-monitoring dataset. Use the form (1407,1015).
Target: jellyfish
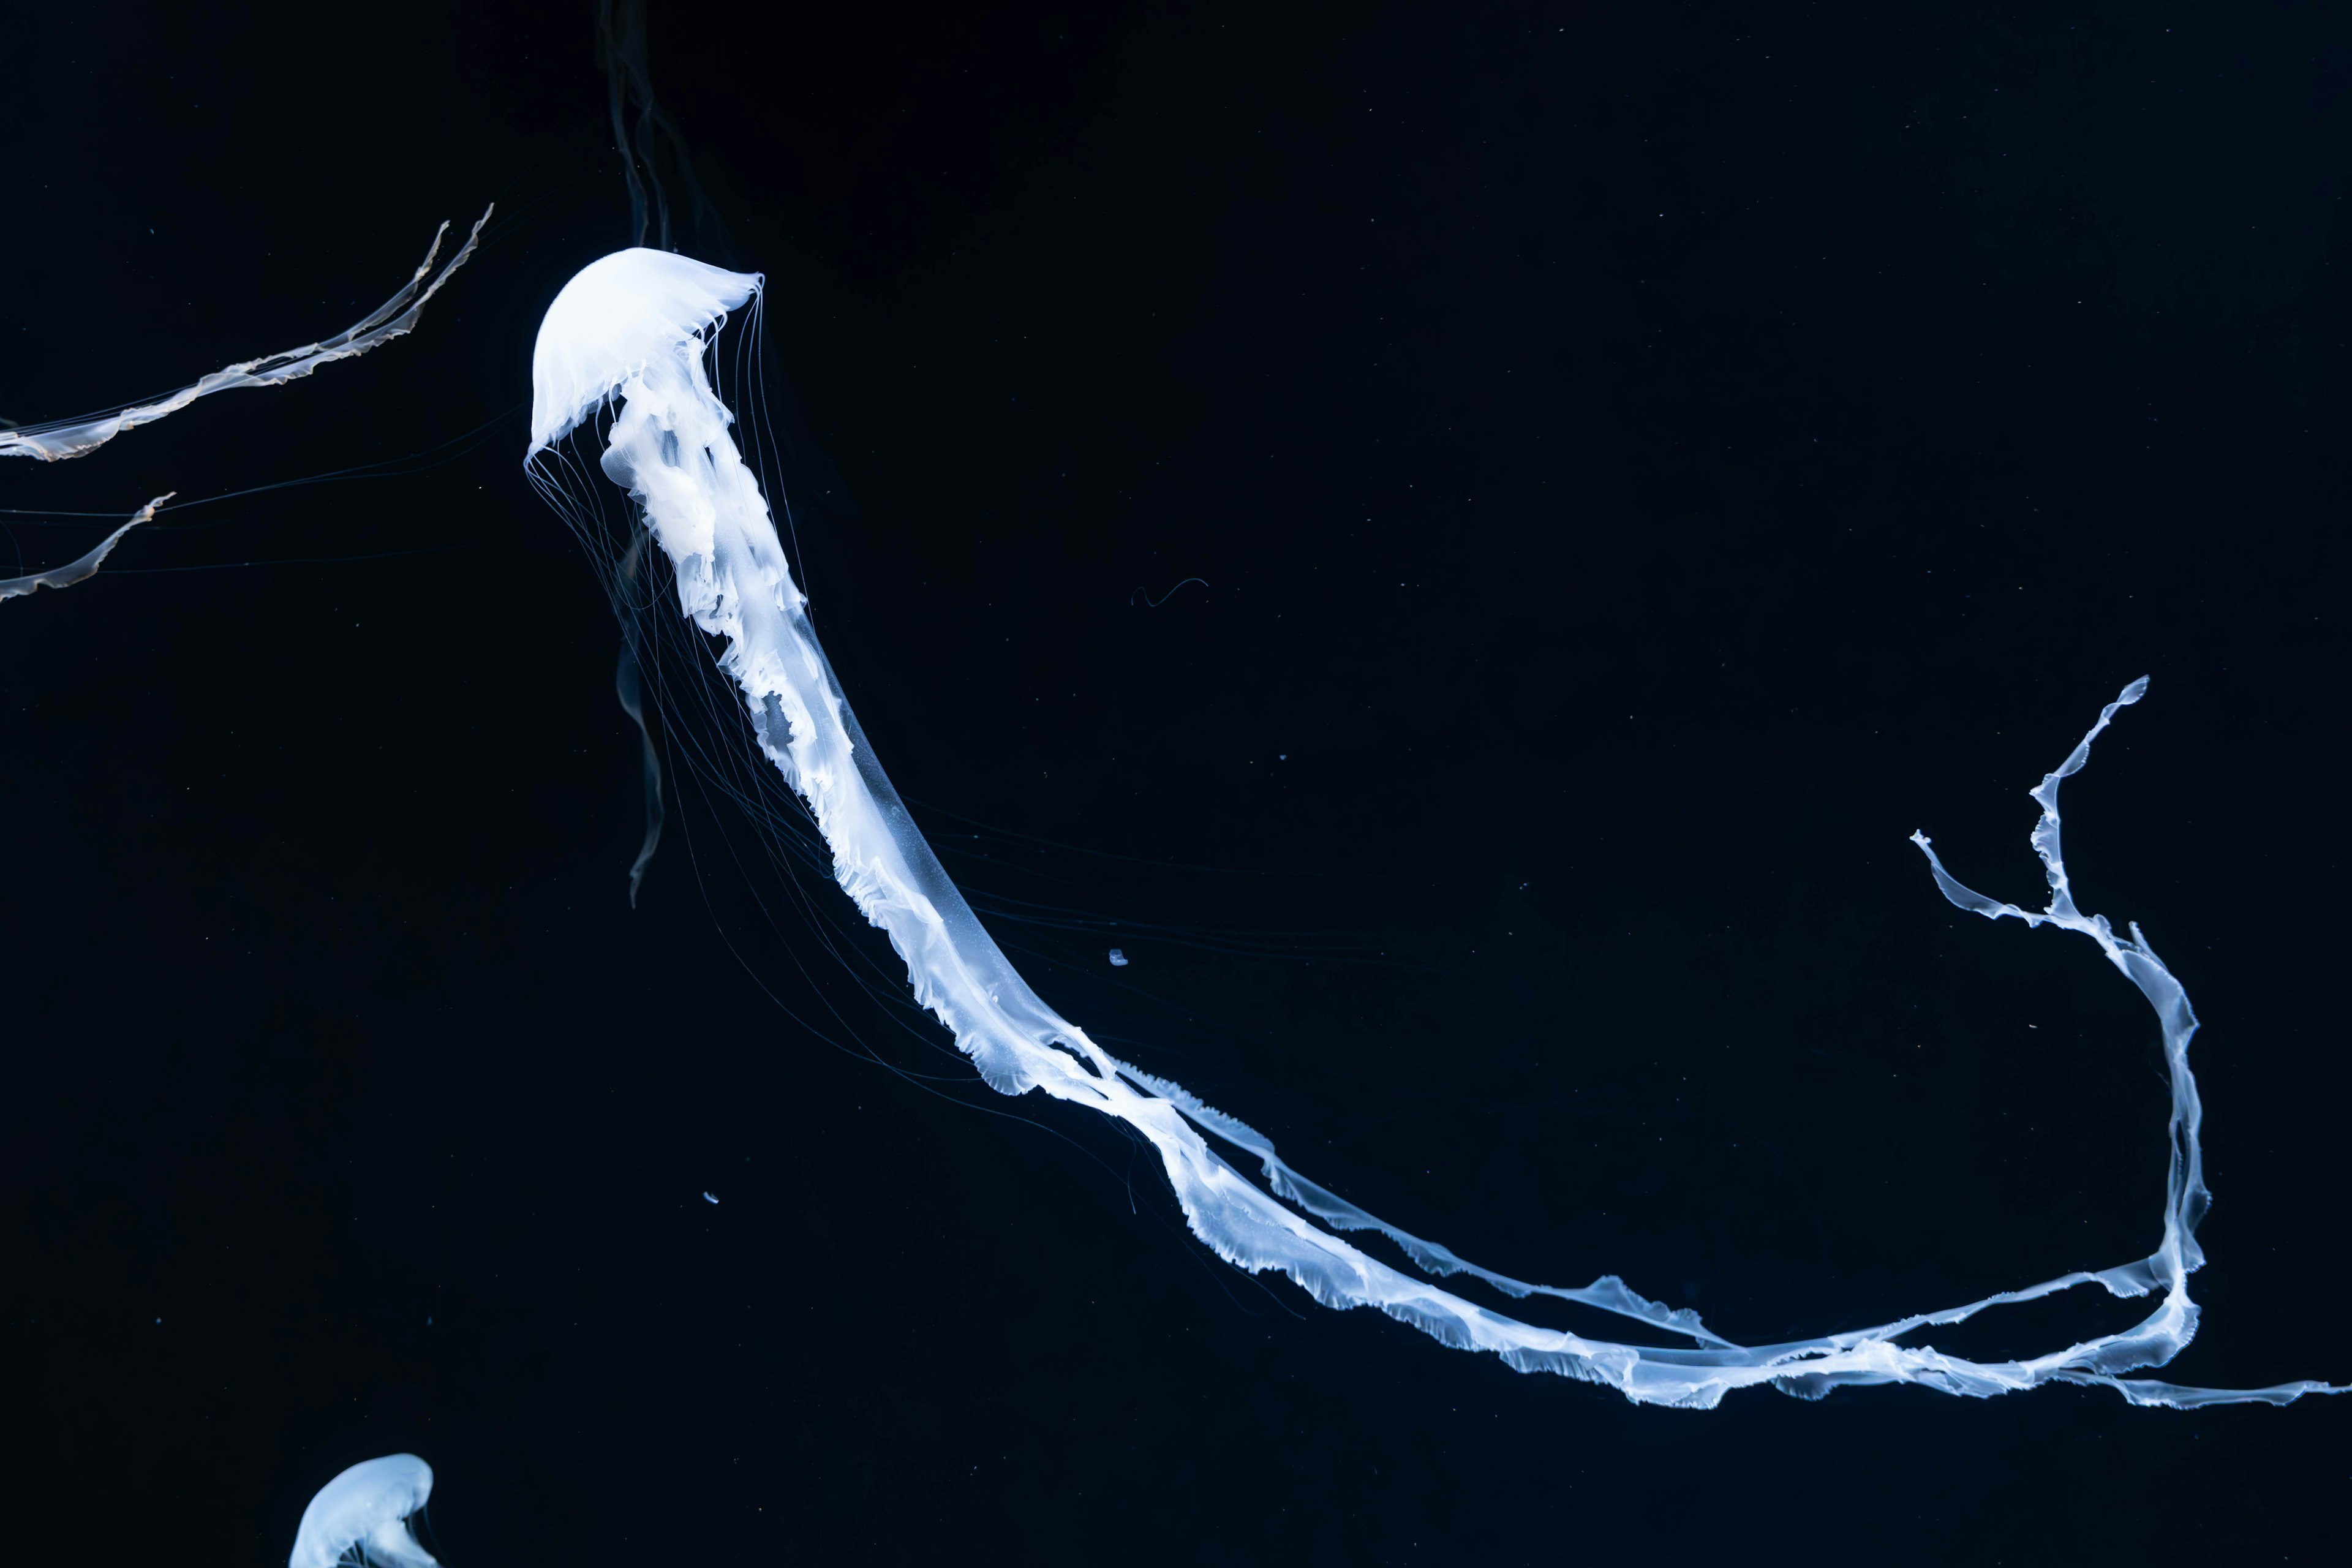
(58,439)
(621,359)
(361,1517)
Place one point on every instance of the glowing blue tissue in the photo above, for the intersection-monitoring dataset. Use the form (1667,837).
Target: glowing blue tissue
(625,341)
(360,1520)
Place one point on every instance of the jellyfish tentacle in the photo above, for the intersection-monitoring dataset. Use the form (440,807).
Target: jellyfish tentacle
(59,439)
(628,682)
(1609,1293)
(85,566)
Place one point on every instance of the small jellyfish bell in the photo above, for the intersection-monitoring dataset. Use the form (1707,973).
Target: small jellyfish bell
(361,1517)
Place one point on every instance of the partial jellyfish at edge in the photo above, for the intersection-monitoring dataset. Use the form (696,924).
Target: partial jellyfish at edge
(360,1520)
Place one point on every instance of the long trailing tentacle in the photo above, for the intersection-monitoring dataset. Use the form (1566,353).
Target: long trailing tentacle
(59,439)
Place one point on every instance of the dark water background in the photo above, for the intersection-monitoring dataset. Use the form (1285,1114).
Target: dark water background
(1642,463)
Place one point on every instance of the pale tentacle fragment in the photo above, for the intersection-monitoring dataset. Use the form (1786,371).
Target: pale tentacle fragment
(62,439)
(632,328)
(628,684)
(85,566)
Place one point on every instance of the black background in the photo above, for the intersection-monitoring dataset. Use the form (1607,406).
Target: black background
(1641,461)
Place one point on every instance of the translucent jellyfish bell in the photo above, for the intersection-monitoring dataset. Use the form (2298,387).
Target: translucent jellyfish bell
(361,1517)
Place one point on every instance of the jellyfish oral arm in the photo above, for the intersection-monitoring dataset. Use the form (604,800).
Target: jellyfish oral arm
(60,440)
(632,328)
(2167,1333)
(86,566)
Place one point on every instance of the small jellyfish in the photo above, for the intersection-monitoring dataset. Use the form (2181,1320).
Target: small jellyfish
(710,1198)
(1118,958)
(360,1520)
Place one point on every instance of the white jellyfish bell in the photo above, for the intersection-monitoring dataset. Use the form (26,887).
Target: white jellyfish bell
(360,1520)
(622,353)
